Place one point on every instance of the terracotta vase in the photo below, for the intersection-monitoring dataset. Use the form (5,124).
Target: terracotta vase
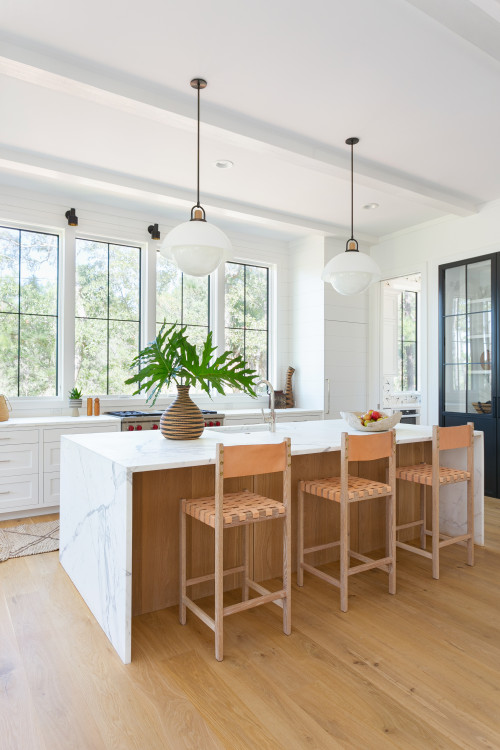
(182,420)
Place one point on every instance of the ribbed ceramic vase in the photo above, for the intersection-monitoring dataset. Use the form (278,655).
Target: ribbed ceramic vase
(182,420)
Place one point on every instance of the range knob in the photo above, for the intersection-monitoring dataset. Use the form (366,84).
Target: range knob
(210,424)
(155,427)
(217,424)
(139,427)
(130,427)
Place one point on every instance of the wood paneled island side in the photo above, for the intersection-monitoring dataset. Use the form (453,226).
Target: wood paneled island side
(120,497)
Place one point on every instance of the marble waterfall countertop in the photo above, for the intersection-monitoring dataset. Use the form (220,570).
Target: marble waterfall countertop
(81,421)
(149,450)
(97,500)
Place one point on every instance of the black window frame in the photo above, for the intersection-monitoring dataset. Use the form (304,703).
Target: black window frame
(108,319)
(244,328)
(403,340)
(181,321)
(19,314)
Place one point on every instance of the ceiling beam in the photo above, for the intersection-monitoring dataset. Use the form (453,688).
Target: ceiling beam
(162,105)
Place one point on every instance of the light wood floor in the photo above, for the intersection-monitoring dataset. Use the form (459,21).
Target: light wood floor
(417,670)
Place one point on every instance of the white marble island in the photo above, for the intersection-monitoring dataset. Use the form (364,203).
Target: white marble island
(119,506)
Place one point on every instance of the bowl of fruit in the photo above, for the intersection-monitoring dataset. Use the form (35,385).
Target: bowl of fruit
(372,420)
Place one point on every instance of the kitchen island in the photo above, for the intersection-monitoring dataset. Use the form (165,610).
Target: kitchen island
(120,497)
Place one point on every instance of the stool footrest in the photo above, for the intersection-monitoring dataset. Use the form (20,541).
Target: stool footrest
(320,574)
(211,576)
(409,525)
(320,547)
(411,548)
(249,603)
(383,563)
(261,590)
(454,540)
(199,612)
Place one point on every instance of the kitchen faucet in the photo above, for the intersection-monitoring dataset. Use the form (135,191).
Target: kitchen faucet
(271,419)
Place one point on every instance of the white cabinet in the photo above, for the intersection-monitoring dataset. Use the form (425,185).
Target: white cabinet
(30,463)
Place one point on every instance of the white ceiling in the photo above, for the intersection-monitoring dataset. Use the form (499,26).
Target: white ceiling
(96,103)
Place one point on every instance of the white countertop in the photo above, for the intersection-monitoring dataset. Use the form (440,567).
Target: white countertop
(229,413)
(150,451)
(19,422)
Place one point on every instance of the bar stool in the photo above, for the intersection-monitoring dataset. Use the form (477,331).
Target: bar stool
(223,511)
(433,475)
(346,490)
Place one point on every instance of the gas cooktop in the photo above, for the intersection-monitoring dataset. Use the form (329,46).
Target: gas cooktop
(124,414)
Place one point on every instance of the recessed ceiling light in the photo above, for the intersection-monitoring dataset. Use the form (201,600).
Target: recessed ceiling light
(371,205)
(224,164)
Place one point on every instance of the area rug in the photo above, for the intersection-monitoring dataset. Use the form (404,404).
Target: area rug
(29,539)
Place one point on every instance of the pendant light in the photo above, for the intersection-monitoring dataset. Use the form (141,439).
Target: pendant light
(196,246)
(351,272)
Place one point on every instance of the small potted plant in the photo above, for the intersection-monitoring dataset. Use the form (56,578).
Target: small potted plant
(75,401)
(171,358)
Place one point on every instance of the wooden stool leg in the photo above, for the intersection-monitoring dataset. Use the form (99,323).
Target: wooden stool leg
(300,540)
(470,521)
(423,516)
(391,539)
(344,553)
(287,572)
(246,562)
(435,532)
(219,594)
(182,565)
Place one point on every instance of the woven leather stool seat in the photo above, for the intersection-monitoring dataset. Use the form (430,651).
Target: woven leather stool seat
(238,508)
(358,488)
(422,474)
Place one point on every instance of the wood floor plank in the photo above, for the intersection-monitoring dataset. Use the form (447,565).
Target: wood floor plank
(417,670)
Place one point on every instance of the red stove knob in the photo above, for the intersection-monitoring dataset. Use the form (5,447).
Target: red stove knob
(130,427)
(155,427)
(139,427)
(210,424)
(217,424)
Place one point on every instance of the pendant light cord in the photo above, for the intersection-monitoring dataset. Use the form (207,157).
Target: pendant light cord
(198,157)
(352,191)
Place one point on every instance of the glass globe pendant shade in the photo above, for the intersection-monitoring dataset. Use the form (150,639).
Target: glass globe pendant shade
(196,247)
(351,272)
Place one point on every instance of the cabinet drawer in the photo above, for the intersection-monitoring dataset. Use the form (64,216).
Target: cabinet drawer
(52,456)
(14,437)
(17,460)
(53,435)
(51,487)
(18,492)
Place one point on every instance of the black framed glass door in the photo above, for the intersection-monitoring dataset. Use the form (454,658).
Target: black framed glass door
(469,353)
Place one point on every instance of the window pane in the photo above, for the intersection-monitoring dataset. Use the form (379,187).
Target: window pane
(409,322)
(91,355)
(195,303)
(8,360)
(480,337)
(479,389)
(38,361)
(454,290)
(123,347)
(409,354)
(235,341)
(38,273)
(9,271)
(455,388)
(256,351)
(256,297)
(235,295)
(168,291)
(197,335)
(124,283)
(455,339)
(91,279)
(479,286)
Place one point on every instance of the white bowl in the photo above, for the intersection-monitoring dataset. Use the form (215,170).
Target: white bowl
(353,420)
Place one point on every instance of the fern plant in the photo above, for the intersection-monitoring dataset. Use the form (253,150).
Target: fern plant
(171,358)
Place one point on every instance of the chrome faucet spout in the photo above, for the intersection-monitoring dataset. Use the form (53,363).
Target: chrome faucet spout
(272,416)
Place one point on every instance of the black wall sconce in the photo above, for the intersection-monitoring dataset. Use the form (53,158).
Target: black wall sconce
(72,217)
(154,231)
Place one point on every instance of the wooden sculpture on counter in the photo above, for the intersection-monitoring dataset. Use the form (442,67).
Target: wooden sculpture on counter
(288,389)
